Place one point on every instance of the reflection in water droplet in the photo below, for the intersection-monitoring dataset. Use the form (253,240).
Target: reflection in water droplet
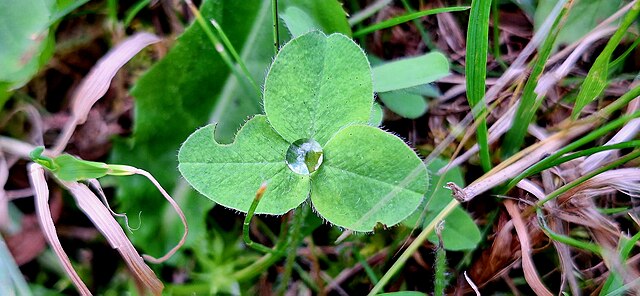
(304,156)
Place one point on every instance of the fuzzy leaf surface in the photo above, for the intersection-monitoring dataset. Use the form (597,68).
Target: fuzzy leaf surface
(180,93)
(327,16)
(405,104)
(368,176)
(231,174)
(316,85)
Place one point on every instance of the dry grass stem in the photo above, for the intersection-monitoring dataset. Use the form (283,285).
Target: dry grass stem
(97,82)
(530,272)
(628,132)
(525,159)
(178,210)
(39,184)
(109,227)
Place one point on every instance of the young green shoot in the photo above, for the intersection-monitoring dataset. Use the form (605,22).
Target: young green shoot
(247,220)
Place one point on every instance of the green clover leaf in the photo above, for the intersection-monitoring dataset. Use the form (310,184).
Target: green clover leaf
(313,143)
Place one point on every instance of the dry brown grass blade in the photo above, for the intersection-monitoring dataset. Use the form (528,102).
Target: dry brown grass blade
(109,227)
(530,272)
(526,158)
(625,180)
(626,133)
(97,82)
(564,253)
(39,183)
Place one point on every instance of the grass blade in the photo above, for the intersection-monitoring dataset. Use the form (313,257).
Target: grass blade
(530,101)
(596,80)
(476,70)
(405,18)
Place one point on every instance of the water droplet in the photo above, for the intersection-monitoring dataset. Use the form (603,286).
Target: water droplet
(304,156)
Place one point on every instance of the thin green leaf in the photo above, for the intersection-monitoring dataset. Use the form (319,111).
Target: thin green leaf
(530,101)
(405,18)
(476,70)
(595,248)
(596,80)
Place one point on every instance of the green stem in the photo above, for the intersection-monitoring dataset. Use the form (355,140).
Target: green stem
(276,29)
(236,56)
(306,278)
(258,267)
(247,220)
(440,266)
(294,241)
(220,48)
(367,268)
(413,247)
(423,33)
(624,55)
(619,103)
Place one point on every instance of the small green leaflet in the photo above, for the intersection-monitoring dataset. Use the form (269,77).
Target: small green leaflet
(318,88)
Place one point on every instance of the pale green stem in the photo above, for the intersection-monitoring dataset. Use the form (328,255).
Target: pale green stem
(413,247)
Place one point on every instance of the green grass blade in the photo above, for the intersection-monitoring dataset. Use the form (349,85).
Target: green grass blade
(133,11)
(624,55)
(590,151)
(476,70)
(594,248)
(405,18)
(245,76)
(426,39)
(530,101)
(236,56)
(596,80)
(614,281)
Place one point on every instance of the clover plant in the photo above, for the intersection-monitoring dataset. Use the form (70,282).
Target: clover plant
(313,142)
